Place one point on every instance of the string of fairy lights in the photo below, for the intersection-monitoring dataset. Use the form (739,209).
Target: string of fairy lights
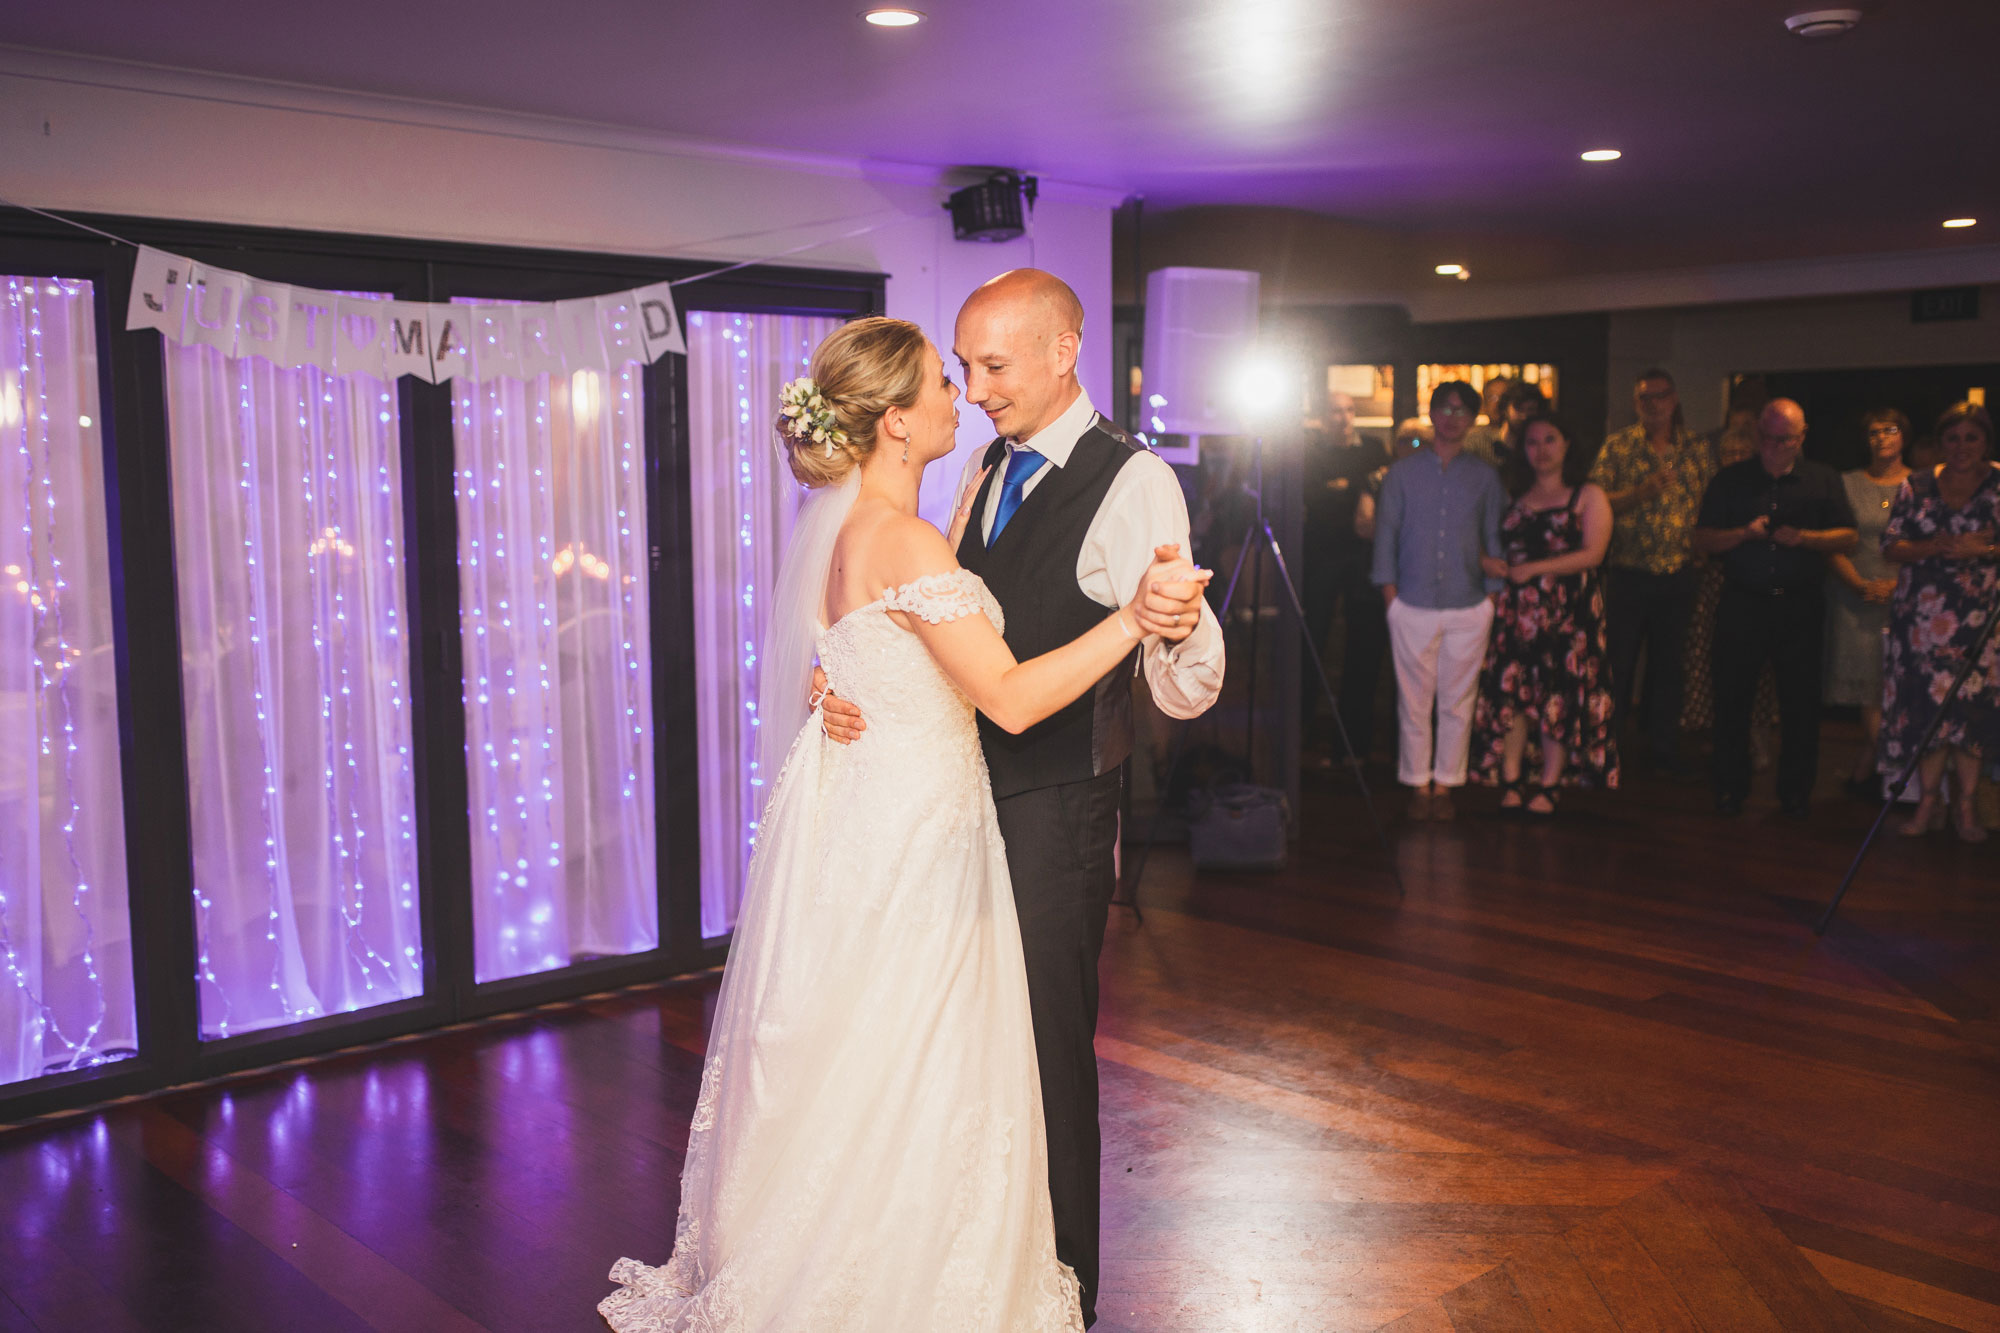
(329,614)
(45,593)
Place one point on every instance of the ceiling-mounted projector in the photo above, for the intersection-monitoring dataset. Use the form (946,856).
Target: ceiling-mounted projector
(991,210)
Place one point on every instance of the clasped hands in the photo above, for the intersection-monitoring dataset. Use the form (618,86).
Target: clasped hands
(1168,603)
(1496,567)
(1965,545)
(1760,529)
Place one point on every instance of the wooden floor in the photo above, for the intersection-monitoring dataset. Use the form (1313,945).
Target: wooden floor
(1592,1076)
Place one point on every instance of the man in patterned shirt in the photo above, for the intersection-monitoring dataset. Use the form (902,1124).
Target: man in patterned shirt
(1654,473)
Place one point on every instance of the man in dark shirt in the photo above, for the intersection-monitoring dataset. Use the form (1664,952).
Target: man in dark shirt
(1772,520)
(1340,467)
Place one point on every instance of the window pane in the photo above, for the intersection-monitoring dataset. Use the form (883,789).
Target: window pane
(288,541)
(554,624)
(65,932)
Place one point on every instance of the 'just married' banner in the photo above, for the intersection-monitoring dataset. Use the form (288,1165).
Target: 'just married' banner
(199,304)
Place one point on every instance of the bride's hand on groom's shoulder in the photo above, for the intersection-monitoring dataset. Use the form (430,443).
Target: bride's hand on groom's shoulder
(1168,602)
(840,719)
(964,514)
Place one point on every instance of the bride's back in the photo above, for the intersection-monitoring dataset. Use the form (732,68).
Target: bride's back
(876,550)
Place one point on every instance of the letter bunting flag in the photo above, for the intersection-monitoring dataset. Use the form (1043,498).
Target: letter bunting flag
(192,302)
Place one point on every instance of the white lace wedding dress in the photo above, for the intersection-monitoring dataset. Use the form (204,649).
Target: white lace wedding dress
(867,1151)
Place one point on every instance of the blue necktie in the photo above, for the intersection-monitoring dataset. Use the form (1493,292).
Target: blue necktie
(1024,464)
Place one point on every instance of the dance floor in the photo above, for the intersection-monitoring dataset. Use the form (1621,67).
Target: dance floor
(1591,1076)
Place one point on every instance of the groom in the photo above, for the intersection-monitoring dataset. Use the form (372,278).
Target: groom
(1065,513)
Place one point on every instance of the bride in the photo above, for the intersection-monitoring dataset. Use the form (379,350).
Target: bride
(867,1151)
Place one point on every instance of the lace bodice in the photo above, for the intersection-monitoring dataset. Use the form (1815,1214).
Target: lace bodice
(886,672)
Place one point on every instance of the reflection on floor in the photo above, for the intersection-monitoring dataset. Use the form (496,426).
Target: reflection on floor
(1593,1075)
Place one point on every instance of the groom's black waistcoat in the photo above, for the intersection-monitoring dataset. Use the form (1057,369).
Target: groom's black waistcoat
(1031,568)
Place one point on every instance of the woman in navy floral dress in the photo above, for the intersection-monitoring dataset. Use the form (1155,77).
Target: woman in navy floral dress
(1942,531)
(1546,671)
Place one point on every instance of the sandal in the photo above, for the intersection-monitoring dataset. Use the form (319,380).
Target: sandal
(1965,822)
(1553,795)
(1928,817)
(1518,789)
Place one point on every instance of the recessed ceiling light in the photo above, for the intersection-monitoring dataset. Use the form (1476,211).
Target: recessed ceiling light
(893,18)
(1602,155)
(1449,270)
(1961,222)
(1816,23)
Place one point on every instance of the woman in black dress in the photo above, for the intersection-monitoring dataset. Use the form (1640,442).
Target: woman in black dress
(1546,668)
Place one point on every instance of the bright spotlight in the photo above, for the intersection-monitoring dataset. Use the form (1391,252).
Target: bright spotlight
(1602,155)
(1264,387)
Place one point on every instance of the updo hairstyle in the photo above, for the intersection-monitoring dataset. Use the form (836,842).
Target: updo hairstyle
(863,369)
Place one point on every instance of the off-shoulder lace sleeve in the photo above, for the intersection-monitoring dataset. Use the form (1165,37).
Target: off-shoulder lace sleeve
(938,597)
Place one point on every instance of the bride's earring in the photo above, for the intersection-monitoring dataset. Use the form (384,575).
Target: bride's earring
(906,447)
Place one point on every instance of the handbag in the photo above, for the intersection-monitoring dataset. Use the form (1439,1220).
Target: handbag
(1238,826)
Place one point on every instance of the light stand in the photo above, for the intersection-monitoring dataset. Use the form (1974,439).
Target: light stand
(1916,757)
(1259,528)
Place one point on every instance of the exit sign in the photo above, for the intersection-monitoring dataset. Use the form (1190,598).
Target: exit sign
(1944,303)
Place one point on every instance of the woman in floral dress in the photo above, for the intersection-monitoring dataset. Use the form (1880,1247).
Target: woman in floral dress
(1942,532)
(1546,669)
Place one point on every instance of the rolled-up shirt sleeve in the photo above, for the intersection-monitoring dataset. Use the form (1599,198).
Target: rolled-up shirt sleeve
(1144,508)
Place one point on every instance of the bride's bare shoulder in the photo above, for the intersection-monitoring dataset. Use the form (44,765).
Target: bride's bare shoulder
(898,548)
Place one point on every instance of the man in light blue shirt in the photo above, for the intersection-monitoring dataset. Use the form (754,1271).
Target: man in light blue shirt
(1439,513)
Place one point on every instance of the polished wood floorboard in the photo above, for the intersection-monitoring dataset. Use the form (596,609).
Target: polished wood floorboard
(1596,1075)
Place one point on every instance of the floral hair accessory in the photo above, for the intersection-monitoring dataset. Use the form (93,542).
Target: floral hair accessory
(808,416)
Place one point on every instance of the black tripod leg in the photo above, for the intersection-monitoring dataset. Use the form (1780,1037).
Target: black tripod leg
(1130,887)
(1937,721)
(1333,700)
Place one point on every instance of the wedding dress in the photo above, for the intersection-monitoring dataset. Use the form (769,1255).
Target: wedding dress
(867,1151)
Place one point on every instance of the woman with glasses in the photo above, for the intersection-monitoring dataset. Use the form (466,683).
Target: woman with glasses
(1857,597)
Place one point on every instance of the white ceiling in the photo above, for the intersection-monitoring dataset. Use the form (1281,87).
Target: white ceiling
(1459,120)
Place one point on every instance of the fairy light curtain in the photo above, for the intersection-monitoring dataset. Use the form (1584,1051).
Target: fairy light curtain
(554,622)
(65,933)
(743,502)
(289,556)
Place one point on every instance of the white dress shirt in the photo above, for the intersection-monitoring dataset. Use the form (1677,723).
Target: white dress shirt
(1144,508)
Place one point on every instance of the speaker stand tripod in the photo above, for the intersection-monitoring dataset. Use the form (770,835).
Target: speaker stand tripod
(1259,530)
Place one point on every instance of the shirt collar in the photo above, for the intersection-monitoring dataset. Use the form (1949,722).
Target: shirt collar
(1057,440)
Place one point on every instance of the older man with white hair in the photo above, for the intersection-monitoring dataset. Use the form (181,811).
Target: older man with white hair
(1772,520)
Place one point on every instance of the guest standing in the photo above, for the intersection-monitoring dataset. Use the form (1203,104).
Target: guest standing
(1342,466)
(1942,532)
(1653,473)
(1519,404)
(1439,513)
(1546,668)
(1857,596)
(1773,519)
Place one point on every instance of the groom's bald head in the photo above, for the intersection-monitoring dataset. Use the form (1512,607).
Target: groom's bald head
(1017,339)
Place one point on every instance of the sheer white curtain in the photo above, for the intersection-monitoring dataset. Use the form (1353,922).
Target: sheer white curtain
(65,933)
(288,549)
(743,503)
(552,561)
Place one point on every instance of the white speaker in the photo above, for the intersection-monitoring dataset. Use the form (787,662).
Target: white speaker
(1200,323)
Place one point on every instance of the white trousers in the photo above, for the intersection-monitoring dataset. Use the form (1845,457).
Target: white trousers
(1438,655)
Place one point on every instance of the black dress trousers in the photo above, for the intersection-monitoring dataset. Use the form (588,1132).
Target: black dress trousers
(1060,844)
(1785,629)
